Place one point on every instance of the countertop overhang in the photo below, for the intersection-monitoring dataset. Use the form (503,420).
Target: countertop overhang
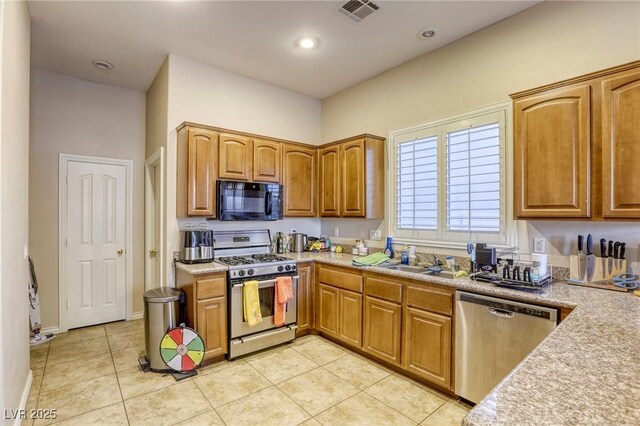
(585,372)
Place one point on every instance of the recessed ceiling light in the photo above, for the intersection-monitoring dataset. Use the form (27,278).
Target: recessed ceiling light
(307,43)
(427,33)
(102,65)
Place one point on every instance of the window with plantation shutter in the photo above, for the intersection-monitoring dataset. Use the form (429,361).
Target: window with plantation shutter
(448,181)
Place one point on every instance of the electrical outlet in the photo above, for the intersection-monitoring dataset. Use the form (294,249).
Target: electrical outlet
(26,251)
(336,232)
(375,234)
(176,255)
(539,245)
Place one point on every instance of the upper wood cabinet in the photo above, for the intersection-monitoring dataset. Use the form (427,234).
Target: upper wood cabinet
(266,160)
(299,180)
(329,184)
(621,144)
(573,142)
(196,172)
(552,145)
(235,157)
(356,187)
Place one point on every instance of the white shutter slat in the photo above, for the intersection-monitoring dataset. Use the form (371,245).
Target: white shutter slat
(479,148)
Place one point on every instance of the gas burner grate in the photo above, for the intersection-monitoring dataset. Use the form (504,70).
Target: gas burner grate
(268,258)
(235,260)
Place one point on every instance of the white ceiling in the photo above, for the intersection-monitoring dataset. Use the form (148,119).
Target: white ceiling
(255,39)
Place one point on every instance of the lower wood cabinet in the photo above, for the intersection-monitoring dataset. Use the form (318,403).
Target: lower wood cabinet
(211,324)
(382,327)
(305,298)
(206,310)
(427,345)
(327,309)
(350,317)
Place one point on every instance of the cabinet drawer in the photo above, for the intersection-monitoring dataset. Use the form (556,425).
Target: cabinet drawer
(383,288)
(210,287)
(340,278)
(430,299)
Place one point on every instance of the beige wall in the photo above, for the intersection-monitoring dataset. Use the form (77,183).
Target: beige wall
(203,94)
(73,116)
(14,227)
(156,115)
(546,43)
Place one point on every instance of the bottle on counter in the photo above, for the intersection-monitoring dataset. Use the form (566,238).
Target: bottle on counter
(404,257)
(413,259)
(279,243)
(388,250)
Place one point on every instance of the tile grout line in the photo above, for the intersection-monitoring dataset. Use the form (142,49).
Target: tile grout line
(126,414)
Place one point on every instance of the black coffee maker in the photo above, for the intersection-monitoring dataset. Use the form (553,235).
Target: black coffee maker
(197,246)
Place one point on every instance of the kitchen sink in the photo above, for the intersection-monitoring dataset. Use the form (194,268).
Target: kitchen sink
(420,270)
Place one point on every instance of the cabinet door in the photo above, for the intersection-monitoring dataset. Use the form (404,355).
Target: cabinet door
(427,346)
(299,180)
(330,181)
(201,172)
(352,202)
(266,161)
(350,317)
(382,321)
(235,157)
(305,298)
(551,154)
(327,313)
(621,145)
(212,325)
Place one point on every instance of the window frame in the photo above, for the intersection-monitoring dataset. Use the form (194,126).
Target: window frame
(507,237)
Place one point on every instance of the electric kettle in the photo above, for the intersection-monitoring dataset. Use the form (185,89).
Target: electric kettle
(297,241)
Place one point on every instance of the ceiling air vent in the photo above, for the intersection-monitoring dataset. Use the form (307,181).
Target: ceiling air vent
(358,9)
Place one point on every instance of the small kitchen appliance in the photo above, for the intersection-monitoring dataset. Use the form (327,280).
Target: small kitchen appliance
(248,256)
(197,246)
(249,201)
(297,242)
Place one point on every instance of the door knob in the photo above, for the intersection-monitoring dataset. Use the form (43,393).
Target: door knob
(153,252)
(120,251)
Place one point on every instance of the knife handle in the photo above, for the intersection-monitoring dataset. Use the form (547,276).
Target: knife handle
(589,244)
(610,248)
(616,249)
(622,247)
(603,247)
(580,238)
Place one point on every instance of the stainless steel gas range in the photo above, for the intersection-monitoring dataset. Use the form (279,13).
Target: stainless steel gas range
(247,254)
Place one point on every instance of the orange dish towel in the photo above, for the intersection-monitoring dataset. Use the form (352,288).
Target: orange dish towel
(284,293)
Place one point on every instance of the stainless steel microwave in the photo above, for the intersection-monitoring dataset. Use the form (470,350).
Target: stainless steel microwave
(249,201)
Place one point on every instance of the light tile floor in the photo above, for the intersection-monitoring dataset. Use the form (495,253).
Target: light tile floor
(91,376)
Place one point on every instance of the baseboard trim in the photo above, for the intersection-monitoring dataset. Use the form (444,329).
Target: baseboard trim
(55,330)
(25,396)
(137,315)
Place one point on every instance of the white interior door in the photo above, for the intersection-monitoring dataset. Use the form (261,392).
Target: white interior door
(155,236)
(96,240)
(154,220)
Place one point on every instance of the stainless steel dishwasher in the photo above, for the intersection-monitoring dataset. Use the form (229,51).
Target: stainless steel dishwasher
(492,336)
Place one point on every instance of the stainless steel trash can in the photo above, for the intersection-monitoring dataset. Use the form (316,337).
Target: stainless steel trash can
(161,313)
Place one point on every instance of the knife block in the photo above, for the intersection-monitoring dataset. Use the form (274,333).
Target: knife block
(601,270)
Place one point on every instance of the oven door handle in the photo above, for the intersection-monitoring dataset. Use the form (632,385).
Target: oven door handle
(263,335)
(263,284)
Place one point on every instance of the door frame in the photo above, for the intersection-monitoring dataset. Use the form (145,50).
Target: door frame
(64,160)
(156,160)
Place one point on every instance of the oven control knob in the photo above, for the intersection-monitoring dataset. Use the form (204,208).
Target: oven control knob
(288,267)
(250,272)
(241,273)
(280,268)
(293,267)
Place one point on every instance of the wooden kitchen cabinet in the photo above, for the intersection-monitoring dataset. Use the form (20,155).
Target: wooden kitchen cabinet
(196,172)
(206,309)
(329,193)
(339,304)
(235,157)
(266,160)
(573,142)
(356,189)
(427,345)
(552,160)
(621,144)
(382,320)
(299,172)
(306,298)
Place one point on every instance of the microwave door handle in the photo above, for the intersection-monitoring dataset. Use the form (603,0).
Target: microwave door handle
(267,201)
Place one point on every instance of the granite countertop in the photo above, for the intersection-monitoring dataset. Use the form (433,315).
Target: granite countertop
(202,268)
(584,372)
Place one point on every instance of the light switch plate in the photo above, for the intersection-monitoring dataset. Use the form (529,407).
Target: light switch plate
(336,232)
(375,234)
(539,245)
